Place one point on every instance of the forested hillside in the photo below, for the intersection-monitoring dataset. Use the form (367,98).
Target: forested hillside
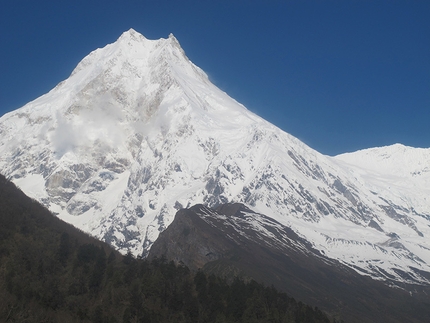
(51,272)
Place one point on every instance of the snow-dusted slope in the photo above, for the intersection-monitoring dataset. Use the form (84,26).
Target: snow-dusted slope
(401,172)
(138,131)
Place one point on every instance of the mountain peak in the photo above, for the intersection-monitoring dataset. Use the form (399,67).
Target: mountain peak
(138,132)
(132,34)
(173,40)
(131,37)
(396,159)
(131,62)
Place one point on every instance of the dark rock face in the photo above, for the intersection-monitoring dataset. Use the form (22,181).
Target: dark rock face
(232,240)
(191,241)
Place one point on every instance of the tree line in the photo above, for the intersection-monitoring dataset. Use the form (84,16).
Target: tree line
(51,272)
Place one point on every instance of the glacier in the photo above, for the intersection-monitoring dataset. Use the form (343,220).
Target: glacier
(138,132)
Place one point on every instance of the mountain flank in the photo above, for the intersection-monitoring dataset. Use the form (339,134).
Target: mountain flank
(51,272)
(233,240)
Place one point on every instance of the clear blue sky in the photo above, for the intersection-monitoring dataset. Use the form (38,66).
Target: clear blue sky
(340,75)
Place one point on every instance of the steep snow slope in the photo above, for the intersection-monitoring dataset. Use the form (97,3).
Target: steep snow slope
(395,169)
(138,131)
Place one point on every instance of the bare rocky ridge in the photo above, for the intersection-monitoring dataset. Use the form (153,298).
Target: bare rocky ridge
(233,240)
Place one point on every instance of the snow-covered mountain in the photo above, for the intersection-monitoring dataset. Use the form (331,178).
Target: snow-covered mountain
(138,132)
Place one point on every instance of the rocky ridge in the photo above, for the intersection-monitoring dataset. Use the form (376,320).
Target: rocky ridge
(232,240)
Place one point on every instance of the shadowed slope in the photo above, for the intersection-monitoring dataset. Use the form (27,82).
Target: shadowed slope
(235,241)
(50,272)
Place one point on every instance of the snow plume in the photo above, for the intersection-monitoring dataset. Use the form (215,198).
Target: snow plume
(97,122)
(158,124)
(162,122)
(102,121)
(64,138)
